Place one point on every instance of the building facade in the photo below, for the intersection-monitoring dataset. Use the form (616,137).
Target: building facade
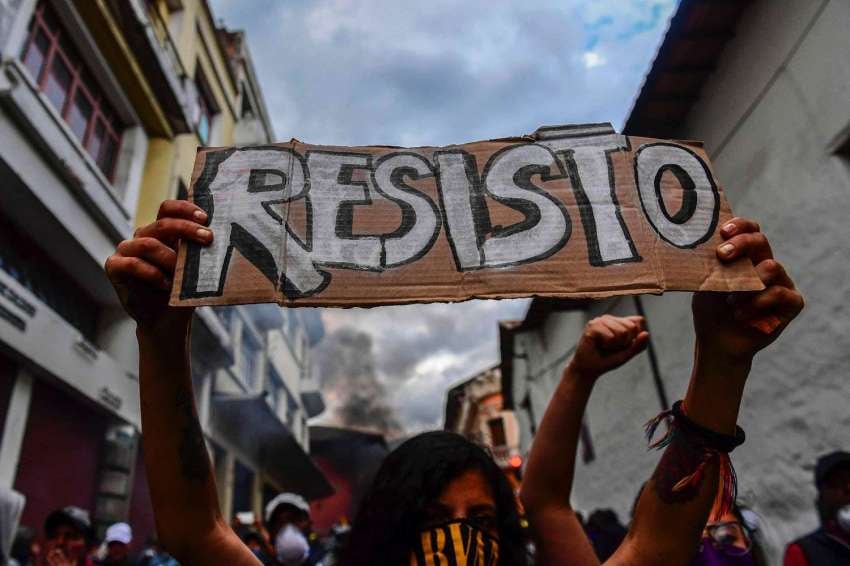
(350,459)
(102,105)
(475,409)
(764,85)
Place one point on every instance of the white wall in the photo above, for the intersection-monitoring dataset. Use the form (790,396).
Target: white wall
(770,116)
(776,164)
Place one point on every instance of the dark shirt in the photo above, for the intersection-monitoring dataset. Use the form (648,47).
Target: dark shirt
(820,548)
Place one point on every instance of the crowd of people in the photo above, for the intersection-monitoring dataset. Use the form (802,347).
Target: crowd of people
(737,538)
(441,499)
(69,539)
(285,537)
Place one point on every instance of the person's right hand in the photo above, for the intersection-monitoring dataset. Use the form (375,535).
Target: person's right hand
(607,343)
(54,555)
(142,268)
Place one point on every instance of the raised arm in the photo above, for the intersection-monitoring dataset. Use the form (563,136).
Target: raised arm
(607,342)
(730,330)
(182,485)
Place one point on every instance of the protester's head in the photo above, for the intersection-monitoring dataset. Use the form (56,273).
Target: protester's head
(605,531)
(287,509)
(288,522)
(440,481)
(832,479)
(68,532)
(25,548)
(254,541)
(117,540)
(731,540)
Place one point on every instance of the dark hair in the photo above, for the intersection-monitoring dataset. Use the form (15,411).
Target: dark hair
(392,513)
(286,513)
(759,555)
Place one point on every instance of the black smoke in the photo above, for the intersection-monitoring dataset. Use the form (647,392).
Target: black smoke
(354,395)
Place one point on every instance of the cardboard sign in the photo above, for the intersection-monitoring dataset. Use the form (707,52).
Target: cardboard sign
(570,211)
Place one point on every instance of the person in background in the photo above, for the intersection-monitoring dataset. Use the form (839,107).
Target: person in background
(436,484)
(11,507)
(605,532)
(258,544)
(288,523)
(694,479)
(731,540)
(154,555)
(433,495)
(830,543)
(68,538)
(116,545)
(25,548)
(438,492)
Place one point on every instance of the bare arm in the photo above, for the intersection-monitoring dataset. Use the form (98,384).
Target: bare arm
(729,332)
(607,342)
(182,485)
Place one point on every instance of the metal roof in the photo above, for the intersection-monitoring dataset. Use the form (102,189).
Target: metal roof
(695,39)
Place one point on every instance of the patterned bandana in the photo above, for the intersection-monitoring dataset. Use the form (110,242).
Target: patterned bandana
(458,543)
(709,555)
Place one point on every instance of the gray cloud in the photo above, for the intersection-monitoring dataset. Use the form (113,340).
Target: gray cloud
(419,350)
(382,71)
(356,72)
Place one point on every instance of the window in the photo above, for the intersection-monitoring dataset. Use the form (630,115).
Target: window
(249,357)
(291,410)
(205,110)
(226,315)
(274,388)
(243,487)
(497,431)
(247,110)
(30,266)
(66,82)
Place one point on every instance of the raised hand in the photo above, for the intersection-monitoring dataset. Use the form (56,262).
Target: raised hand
(142,268)
(607,343)
(738,325)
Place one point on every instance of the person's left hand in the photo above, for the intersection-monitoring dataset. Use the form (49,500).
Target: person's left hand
(738,325)
(607,343)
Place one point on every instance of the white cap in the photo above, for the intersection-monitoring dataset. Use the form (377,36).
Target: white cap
(286,499)
(119,532)
(751,519)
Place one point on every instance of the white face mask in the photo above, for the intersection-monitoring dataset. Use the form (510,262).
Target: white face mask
(291,546)
(843,518)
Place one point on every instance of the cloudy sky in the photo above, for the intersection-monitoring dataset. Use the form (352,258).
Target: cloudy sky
(358,72)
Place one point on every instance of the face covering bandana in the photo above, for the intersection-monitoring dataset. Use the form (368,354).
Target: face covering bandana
(710,555)
(291,546)
(843,518)
(458,543)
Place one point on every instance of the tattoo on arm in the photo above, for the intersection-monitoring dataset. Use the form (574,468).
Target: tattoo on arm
(192,451)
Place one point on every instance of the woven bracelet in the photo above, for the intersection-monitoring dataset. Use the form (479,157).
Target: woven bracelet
(715,446)
(711,439)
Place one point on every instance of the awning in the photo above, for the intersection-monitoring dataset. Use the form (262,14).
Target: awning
(248,422)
